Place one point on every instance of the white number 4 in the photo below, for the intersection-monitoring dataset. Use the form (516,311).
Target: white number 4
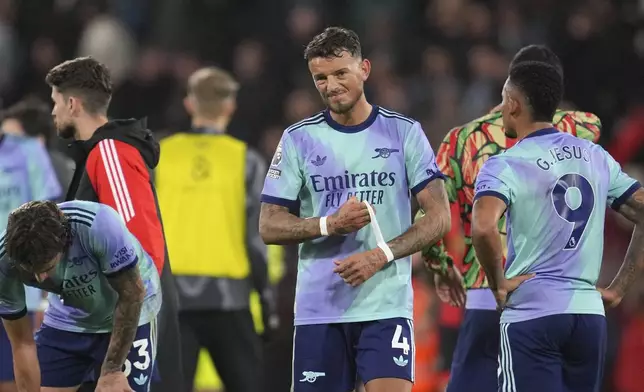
(396,342)
(142,346)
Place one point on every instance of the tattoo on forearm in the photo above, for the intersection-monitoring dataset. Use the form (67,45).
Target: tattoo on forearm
(278,226)
(430,228)
(129,286)
(633,264)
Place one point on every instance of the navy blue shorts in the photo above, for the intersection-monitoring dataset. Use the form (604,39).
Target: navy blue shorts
(558,353)
(68,359)
(333,357)
(6,357)
(476,356)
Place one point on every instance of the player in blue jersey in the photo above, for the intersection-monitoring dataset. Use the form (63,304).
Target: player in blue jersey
(353,312)
(26,173)
(554,189)
(104,298)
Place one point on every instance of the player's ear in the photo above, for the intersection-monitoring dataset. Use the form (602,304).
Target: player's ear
(187,104)
(74,105)
(365,67)
(514,107)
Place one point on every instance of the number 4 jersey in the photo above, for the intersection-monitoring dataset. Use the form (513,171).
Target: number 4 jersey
(557,188)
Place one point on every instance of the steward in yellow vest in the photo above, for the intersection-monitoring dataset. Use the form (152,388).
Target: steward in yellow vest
(208,186)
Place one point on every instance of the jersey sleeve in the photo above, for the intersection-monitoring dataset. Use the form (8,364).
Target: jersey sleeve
(111,243)
(621,186)
(43,181)
(12,293)
(284,177)
(493,180)
(420,162)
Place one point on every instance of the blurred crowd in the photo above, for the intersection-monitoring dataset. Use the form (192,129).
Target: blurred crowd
(442,62)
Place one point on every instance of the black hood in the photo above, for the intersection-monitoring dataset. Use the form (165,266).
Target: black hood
(133,132)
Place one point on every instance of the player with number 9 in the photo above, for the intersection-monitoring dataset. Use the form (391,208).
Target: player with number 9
(554,189)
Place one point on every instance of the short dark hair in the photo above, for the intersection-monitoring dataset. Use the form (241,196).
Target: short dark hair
(542,86)
(86,78)
(332,42)
(34,115)
(37,232)
(540,53)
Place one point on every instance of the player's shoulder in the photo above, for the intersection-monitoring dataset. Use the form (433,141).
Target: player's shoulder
(400,120)
(488,123)
(80,212)
(22,143)
(579,117)
(582,124)
(111,150)
(305,125)
(500,164)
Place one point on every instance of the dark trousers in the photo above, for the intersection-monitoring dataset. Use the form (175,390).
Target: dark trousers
(168,358)
(231,341)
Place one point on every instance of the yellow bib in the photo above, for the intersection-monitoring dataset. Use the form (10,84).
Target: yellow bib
(200,182)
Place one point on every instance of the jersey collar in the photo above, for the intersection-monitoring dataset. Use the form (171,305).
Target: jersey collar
(352,128)
(542,132)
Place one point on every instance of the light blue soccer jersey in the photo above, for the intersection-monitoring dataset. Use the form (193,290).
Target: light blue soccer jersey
(81,298)
(557,188)
(26,174)
(319,164)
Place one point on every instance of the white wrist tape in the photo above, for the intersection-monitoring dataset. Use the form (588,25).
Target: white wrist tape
(324,230)
(380,241)
(43,305)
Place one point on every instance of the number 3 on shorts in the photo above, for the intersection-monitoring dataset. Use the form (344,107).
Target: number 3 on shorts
(397,342)
(142,347)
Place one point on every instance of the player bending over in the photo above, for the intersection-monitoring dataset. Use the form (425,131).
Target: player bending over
(460,157)
(554,189)
(104,298)
(353,297)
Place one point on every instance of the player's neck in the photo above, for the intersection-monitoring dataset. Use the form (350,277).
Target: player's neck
(531,128)
(357,115)
(217,124)
(85,127)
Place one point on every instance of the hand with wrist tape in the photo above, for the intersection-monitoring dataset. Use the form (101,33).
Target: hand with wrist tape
(356,269)
(350,217)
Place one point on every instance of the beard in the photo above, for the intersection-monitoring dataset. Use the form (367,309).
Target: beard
(510,133)
(66,131)
(341,107)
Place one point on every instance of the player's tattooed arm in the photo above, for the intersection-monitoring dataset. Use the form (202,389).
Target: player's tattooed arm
(278,226)
(131,291)
(486,238)
(430,228)
(633,265)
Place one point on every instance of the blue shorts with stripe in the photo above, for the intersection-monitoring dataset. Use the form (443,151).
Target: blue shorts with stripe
(558,353)
(68,359)
(333,357)
(475,360)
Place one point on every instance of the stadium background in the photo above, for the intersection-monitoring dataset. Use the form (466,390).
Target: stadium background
(442,62)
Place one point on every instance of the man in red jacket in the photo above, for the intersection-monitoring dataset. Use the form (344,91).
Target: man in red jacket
(114,162)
